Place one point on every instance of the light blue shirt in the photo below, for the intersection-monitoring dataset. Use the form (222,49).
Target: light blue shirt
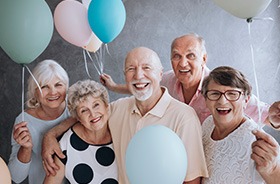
(34,169)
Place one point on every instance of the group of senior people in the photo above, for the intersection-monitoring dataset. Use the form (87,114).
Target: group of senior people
(220,101)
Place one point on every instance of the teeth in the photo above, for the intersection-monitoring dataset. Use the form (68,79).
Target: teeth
(95,120)
(140,85)
(184,71)
(53,98)
(223,109)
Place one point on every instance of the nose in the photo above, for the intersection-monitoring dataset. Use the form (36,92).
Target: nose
(91,111)
(222,99)
(52,90)
(183,62)
(139,73)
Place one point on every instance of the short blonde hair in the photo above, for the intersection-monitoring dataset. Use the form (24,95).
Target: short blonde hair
(81,90)
(44,72)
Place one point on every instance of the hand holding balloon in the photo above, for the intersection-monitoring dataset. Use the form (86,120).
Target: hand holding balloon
(274,114)
(22,135)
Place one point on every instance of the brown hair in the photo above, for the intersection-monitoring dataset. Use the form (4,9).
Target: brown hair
(227,76)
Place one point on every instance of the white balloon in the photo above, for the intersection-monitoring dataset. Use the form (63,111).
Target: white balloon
(243,8)
(94,44)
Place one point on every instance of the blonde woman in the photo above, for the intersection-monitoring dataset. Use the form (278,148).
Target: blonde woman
(87,145)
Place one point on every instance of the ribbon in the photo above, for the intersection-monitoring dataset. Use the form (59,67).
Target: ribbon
(249,21)
(22,88)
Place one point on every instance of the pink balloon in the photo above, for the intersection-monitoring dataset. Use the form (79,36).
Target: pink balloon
(71,22)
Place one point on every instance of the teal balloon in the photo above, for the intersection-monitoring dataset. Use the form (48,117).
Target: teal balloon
(154,155)
(106,18)
(26,28)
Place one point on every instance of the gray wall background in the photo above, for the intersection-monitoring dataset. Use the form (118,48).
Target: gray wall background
(154,24)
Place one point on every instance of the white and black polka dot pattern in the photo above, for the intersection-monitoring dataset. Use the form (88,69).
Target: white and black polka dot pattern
(86,163)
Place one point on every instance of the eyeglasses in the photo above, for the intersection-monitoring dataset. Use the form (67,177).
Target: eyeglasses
(230,95)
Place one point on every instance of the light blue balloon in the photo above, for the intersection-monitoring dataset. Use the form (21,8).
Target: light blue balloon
(106,18)
(155,155)
(26,28)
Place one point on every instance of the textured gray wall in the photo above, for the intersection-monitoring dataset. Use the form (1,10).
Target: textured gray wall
(154,24)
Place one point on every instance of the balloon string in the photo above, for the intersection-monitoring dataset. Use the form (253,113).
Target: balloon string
(22,90)
(257,90)
(22,93)
(96,54)
(277,71)
(86,66)
(101,58)
(261,18)
(97,69)
(255,73)
(249,21)
(107,49)
(39,87)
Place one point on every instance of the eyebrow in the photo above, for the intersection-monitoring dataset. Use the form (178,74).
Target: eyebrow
(189,50)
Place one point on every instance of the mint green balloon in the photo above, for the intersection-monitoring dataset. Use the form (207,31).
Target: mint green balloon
(156,154)
(26,28)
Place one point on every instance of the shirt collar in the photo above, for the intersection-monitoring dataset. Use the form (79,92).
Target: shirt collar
(161,106)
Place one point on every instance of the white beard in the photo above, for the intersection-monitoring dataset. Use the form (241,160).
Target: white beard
(142,95)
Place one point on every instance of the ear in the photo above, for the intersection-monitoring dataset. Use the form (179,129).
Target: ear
(204,60)
(160,74)
(246,101)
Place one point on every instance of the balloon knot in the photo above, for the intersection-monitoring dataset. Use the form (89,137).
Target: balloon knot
(249,20)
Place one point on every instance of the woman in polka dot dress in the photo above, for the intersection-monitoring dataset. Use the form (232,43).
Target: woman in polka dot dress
(89,155)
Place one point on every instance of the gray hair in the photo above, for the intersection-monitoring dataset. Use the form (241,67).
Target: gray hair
(44,72)
(79,92)
(199,38)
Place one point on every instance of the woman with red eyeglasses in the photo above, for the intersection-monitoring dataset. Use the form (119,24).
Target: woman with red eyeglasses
(236,149)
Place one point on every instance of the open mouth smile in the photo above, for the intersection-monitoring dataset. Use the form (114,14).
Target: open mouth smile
(95,120)
(223,110)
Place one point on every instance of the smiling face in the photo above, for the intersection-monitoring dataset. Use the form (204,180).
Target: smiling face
(92,113)
(225,112)
(188,59)
(143,73)
(53,93)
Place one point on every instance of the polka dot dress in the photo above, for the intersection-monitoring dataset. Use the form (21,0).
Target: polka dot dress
(87,163)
